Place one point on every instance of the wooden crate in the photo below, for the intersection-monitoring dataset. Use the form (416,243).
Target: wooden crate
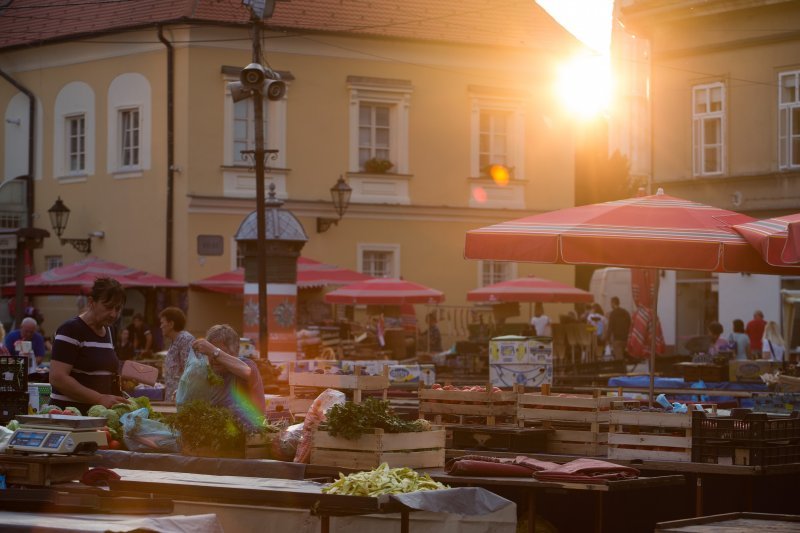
(461,404)
(356,382)
(255,447)
(537,407)
(650,435)
(589,439)
(424,449)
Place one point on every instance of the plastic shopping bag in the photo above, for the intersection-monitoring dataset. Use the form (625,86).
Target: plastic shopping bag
(141,434)
(194,383)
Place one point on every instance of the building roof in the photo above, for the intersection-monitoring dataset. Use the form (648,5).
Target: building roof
(517,23)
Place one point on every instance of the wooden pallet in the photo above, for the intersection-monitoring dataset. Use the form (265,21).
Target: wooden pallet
(650,435)
(356,382)
(424,449)
(461,404)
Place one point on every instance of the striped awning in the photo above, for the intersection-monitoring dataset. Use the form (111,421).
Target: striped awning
(777,239)
(529,289)
(384,291)
(657,231)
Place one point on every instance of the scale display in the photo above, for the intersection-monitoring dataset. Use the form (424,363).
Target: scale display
(51,435)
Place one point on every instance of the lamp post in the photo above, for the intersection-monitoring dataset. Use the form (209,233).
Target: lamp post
(340,195)
(59,216)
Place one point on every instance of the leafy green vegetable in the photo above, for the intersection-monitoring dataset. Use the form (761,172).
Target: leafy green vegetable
(350,420)
(202,425)
(13,425)
(382,480)
(212,377)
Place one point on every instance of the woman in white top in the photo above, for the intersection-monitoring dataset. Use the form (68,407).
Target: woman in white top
(772,343)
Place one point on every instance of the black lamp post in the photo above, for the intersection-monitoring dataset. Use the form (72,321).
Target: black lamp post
(340,194)
(59,216)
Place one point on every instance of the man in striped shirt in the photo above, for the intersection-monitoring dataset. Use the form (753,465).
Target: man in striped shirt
(84,368)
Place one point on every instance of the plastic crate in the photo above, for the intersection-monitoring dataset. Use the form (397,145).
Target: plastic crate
(728,453)
(13,404)
(747,427)
(13,374)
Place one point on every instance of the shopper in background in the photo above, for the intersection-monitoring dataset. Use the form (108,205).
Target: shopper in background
(173,322)
(619,326)
(540,321)
(772,345)
(718,344)
(27,332)
(755,331)
(739,341)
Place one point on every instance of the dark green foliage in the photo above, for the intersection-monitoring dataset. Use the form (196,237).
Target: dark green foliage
(202,425)
(350,420)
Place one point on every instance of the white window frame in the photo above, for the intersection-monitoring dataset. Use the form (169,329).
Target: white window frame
(74,100)
(129,91)
(515,132)
(130,138)
(395,94)
(77,152)
(53,261)
(394,249)
(511,271)
(238,175)
(787,157)
(700,120)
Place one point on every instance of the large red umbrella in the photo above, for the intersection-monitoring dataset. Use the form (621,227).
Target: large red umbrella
(529,289)
(658,232)
(384,291)
(310,274)
(777,239)
(79,277)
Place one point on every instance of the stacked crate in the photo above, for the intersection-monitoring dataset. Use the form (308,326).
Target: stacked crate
(13,387)
(579,422)
(636,432)
(746,438)
(468,406)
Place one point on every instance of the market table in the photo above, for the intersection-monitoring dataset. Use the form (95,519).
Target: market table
(303,495)
(531,486)
(697,475)
(733,523)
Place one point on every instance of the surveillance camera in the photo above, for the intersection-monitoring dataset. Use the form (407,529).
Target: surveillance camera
(253,75)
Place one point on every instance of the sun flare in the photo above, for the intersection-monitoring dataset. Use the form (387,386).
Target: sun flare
(584,85)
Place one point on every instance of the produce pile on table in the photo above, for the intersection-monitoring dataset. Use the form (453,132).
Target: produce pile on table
(382,480)
(465,388)
(350,420)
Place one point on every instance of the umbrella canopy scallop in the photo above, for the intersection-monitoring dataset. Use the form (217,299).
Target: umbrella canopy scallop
(529,289)
(777,239)
(384,291)
(79,277)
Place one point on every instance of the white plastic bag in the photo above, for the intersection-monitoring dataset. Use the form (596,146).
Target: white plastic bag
(144,435)
(316,416)
(194,384)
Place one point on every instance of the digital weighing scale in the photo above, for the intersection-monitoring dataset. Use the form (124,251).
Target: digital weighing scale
(58,434)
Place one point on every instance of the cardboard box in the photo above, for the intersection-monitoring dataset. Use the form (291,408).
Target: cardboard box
(528,375)
(276,403)
(516,350)
(751,370)
(38,395)
(415,374)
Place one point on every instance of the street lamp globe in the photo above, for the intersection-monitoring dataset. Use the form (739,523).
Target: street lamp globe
(59,216)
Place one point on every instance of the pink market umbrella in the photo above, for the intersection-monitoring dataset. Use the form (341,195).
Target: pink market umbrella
(777,239)
(529,289)
(79,277)
(644,285)
(656,232)
(384,291)
(310,274)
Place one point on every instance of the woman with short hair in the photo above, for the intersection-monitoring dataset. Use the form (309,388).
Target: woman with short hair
(173,324)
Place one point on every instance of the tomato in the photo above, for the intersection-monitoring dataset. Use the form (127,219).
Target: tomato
(114,445)
(55,412)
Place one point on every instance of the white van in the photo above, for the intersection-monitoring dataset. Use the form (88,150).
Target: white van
(609,282)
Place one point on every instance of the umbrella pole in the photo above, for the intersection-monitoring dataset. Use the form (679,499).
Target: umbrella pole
(653,329)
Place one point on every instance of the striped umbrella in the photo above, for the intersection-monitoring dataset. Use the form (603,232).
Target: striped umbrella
(777,239)
(529,289)
(644,286)
(384,291)
(310,274)
(656,232)
(79,277)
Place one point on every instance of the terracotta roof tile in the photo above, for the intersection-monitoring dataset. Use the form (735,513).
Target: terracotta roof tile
(519,23)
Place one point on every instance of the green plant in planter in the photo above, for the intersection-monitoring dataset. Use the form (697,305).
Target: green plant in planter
(377,165)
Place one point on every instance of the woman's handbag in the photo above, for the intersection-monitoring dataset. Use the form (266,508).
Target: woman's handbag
(138,372)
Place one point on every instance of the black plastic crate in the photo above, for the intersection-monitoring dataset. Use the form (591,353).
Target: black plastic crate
(12,404)
(747,427)
(13,374)
(728,453)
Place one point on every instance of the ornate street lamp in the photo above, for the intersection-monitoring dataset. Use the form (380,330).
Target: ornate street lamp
(340,194)
(59,216)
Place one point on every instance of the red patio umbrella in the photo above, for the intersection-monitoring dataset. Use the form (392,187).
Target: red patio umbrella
(79,277)
(310,274)
(658,232)
(384,291)
(777,239)
(529,289)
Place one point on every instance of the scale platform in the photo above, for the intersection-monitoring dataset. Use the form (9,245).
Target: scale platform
(58,434)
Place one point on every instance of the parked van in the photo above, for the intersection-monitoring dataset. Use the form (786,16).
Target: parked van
(609,282)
